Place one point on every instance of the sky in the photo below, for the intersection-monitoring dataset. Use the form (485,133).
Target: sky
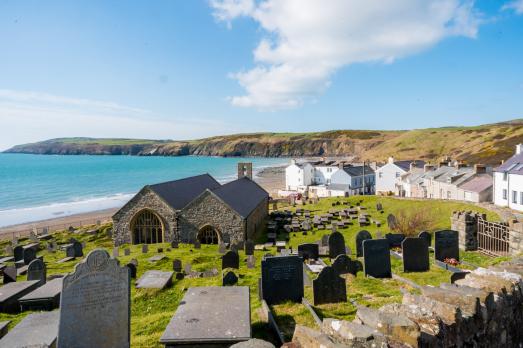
(177,69)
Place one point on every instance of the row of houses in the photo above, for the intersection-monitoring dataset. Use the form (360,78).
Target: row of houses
(502,185)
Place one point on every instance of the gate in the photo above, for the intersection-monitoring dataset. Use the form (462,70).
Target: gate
(493,238)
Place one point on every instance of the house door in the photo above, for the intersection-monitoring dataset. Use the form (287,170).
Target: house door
(208,235)
(147,228)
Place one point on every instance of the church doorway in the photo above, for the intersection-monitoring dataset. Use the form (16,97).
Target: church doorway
(147,228)
(208,235)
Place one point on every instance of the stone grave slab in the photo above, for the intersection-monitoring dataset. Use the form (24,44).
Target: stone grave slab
(155,280)
(6,259)
(95,304)
(314,268)
(12,292)
(46,297)
(231,259)
(9,274)
(156,258)
(204,317)
(329,287)
(35,330)
(282,279)
(376,258)
(415,255)
(360,237)
(309,251)
(22,270)
(336,244)
(3,327)
(446,245)
(66,259)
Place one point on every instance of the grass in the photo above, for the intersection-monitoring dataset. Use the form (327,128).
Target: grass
(151,310)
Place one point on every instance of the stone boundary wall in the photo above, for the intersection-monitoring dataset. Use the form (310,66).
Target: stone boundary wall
(484,309)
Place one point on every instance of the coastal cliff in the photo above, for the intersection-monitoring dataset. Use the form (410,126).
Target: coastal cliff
(487,144)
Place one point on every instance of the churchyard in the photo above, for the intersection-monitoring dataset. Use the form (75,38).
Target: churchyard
(201,266)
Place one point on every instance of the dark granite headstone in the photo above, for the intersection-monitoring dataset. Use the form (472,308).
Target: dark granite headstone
(329,287)
(29,255)
(78,249)
(376,258)
(427,236)
(9,274)
(174,244)
(69,251)
(308,251)
(177,265)
(415,255)
(230,260)
(446,245)
(392,222)
(145,248)
(127,251)
(197,245)
(343,265)
(229,278)
(336,244)
(282,279)
(249,247)
(37,271)
(395,239)
(132,270)
(360,237)
(95,304)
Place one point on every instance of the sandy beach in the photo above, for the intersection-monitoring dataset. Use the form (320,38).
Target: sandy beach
(271,179)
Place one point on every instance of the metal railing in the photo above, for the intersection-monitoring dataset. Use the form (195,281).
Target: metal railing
(493,238)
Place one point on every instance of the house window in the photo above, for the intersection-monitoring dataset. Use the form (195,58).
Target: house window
(380,175)
(505,175)
(449,195)
(521,198)
(514,197)
(397,174)
(504,194)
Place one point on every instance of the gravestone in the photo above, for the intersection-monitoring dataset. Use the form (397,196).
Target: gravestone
(9,274)
(78,249)
(46,297)
(116,252)
(9,250)
(134,262)
(427,236)
(35,330)
(155,280)
(230,260)
(222,248)
(69,251)
(308,251)
(379,206)
(282,279)
(376,258)
(329,287)
(18,253)
(127,251)
(360,237)
(343,264)
(395,239)
(132,270)
(145,248)
(187,268)
(177,265)
(251,261)
(210,273)
(249,247)
(156,258)
(336,244)
(37,271)
(95,304)
(197,245)
(415,255)
(446,245)
(229,278)
(174,244)
(29,255)
(392,222)
(325,240)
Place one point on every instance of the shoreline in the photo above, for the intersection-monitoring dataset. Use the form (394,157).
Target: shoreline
(270,178)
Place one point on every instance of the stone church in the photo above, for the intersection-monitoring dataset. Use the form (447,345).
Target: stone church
(194,208)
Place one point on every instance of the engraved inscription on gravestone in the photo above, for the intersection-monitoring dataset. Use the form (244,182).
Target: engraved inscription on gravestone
(95,304)
(282,279)
(446,245)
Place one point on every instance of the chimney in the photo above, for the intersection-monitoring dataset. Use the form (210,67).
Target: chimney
(480,169)
(412,165)
(391,160)
(427,168)
(293,161)
(519,148)
(245,170)
(459,164)
(341,164)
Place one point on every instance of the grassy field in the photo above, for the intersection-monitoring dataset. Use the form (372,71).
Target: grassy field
(151,310)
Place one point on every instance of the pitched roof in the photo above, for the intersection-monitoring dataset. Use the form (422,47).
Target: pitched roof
(514,165)
(358,170)
(479,183)
(405,165)
(179,193)
(243,195)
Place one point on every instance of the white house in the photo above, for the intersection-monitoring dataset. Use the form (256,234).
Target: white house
(508,182)
(388,176)
(298,176)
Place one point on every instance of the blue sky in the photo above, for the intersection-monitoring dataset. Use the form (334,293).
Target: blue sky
(190,69)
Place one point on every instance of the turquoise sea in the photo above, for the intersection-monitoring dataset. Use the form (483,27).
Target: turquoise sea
(36,187)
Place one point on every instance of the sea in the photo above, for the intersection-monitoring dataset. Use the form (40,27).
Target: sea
(39,187)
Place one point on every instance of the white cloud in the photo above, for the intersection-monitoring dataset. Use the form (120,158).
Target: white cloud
(32,116)
(307,41)
(516,6)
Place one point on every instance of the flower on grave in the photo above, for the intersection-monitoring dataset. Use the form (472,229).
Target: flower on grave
(451,261)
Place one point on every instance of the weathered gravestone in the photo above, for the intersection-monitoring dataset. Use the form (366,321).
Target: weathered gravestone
(177,265)
(132,269)
(325,240)
(69,251)
(336,244)
(395,239)
(9,274)
(116,252)
(229,278)
(197,245)
(18,253)
(37,271)
(376,258)
(360,237)
(46,297)
(309,251)
(329,287)
(155,280)
(78,249)
(95,304)
(249,247)
(222,248)
(415,255)
(187,268)
(392,222)
(251,261)
(427,236)
(127,251)
(343,265)
(9,250)
(145,248)
(35,330)
(29,255)
(446,245)
(282,279)
(230,260)
(379,206)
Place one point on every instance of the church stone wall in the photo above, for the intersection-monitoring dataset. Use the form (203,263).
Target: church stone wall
(257,221)
(207,209)
(145,199)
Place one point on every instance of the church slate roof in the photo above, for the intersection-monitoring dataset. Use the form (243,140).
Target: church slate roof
(179,193)
(243,195)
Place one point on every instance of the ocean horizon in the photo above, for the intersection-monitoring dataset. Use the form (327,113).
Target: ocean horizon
(40,187)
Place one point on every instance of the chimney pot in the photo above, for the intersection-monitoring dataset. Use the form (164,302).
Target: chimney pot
(519,148)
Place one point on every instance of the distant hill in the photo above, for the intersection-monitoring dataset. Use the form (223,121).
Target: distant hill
(487,144)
